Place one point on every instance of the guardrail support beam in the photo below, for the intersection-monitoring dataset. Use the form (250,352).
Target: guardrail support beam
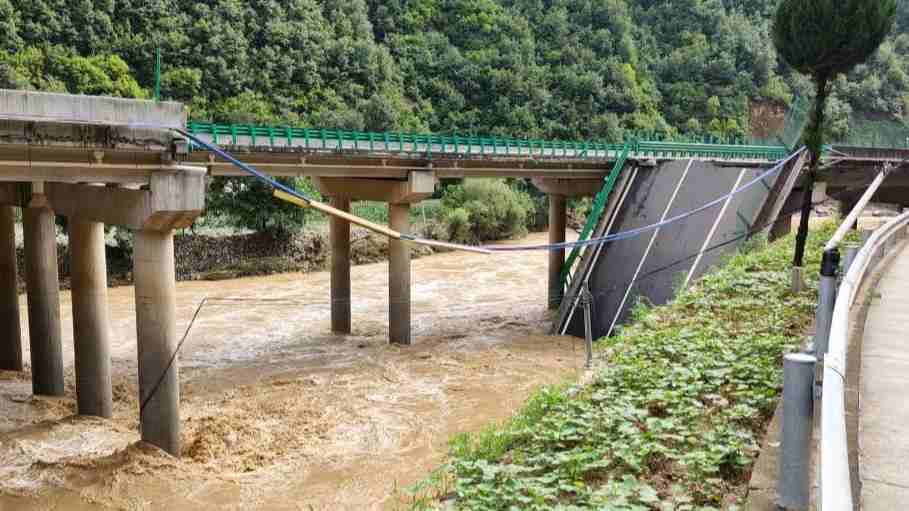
(826,301)
(852,250)
(794,483)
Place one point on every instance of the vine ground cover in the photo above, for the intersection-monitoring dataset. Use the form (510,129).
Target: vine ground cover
(673,416)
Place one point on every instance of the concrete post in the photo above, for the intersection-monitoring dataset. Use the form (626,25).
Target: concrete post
(339,231)
(399,277)
(155,288)
(557,218)
(10,331)
(43,288)
(91,332)
(826,302)
(794,481)
(798,279)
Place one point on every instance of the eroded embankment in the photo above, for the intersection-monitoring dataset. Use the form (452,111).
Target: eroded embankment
(279,414)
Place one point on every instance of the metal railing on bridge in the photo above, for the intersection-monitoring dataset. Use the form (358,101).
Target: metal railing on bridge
(316,139)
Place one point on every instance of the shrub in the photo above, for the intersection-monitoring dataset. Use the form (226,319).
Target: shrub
(485,209)
(459,225)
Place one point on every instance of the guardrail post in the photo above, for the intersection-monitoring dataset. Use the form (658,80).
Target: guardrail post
(794,482)
(587,301)
(826,301)
(852,250)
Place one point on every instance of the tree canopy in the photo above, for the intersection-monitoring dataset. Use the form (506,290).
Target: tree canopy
(567,69)
(824,38)
(580,69)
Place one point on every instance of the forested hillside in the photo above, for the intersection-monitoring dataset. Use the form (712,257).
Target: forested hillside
(537,68)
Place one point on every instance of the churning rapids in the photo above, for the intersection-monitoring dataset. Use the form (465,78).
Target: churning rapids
(279,414)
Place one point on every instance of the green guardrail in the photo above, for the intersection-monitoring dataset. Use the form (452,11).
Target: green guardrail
(599,204)
(422,143)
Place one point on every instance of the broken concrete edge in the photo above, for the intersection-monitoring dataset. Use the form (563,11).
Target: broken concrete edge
(762,487)
(50,107)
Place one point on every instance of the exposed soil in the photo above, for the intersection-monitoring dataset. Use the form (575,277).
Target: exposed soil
(279,414)
(767,119)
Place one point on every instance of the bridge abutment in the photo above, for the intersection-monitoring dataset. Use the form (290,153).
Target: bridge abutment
(10,328)
(91,327)
(43,289)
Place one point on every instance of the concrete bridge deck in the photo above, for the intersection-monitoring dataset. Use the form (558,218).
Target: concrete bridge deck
(884,410)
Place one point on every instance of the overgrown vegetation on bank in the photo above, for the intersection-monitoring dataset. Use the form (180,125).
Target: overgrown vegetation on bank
(674,414)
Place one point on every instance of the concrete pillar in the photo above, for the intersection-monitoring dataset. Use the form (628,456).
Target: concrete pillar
(557,218)
(159,390)
(10,332)
(43,288)
(782,227)
(339,231)
(399,277)
(91,332)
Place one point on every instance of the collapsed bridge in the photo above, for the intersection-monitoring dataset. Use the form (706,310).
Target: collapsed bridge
(142,166)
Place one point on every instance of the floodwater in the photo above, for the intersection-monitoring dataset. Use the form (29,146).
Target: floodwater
(278,413)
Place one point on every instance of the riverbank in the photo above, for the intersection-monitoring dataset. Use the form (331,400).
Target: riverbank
(673,413)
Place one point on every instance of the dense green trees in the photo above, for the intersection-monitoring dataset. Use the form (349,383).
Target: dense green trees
(536,68)
(571,69)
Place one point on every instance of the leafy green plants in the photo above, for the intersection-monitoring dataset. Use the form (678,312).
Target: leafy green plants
(674,414)
(485,209)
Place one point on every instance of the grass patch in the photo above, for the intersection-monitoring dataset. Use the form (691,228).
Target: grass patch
(674,414)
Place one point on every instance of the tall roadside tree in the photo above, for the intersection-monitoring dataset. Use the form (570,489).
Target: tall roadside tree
(822,39)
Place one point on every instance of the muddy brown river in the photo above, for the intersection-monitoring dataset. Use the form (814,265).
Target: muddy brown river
(278,413)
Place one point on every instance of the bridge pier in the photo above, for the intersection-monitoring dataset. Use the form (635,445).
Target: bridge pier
(557,220)
(559,190)
(399,277)
(10,330)
(399,194)
(43,289)
(159,388)
(339,234)
(91,330)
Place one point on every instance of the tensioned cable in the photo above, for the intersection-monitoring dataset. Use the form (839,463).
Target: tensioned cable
(309,201)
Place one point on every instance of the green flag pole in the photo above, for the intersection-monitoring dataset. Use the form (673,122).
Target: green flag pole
(158,73)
